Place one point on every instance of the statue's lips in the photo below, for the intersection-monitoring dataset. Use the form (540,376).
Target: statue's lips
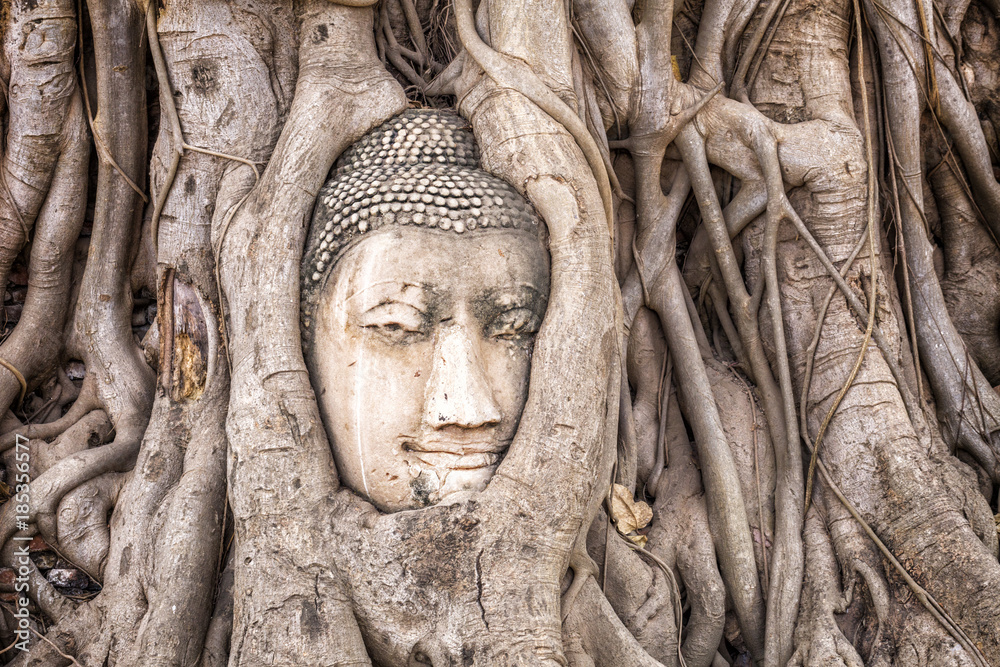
(454,455)
(458,461)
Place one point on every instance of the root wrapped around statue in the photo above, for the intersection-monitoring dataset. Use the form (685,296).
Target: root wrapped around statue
(520,333)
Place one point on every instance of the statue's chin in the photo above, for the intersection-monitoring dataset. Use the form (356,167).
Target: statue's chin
(434,485)
(461,484)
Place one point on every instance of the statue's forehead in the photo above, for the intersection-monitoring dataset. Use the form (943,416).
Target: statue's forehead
(406,259)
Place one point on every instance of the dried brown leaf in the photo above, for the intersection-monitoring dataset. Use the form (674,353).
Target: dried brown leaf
(629,515)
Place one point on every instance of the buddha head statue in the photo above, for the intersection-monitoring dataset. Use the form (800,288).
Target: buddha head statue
(424,282)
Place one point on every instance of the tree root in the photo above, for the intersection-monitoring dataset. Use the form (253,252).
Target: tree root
(972,266)
(870,233)
(584,568)
(83,533)
(730,528)
(216,651)
(956,381)
(818,639)
(338,71)
(92,429)
(603,637)
(50,488)
(36,342)
(40,95)
(753,451)
(156,606)
(961,119)
(647,369)
(681,538)
(84,404)
(513,74)
(786,569)
(225,225)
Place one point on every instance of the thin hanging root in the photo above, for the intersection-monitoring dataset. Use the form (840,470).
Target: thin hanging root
(395,52)
(675,594)
(901,247)
(934,96)
(756,470)
(56,648)
(739,82)
(417,34)
(102,149)
(926,599)
(811,354)
(780,645)
(180,146)
(20,378)
(912,408)
(787,554)
(516,75)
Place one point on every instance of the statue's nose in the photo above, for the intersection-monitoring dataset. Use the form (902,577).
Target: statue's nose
(458,390)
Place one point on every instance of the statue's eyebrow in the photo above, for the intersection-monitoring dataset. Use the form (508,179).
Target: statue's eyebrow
(522,295)
(390,291)
(515,294)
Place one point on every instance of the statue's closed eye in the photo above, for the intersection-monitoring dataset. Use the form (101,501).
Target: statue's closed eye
(395,322)
(514,324)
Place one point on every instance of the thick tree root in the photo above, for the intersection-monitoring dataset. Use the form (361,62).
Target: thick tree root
(971,265)
(35,345)
(681,538)
(338,72)
(40,97)
(604,639)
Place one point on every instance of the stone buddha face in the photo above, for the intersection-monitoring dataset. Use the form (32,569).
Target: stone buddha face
(422,352)
(424,283)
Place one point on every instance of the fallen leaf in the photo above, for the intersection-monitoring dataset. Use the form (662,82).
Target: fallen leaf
(638,540)
(629,515)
